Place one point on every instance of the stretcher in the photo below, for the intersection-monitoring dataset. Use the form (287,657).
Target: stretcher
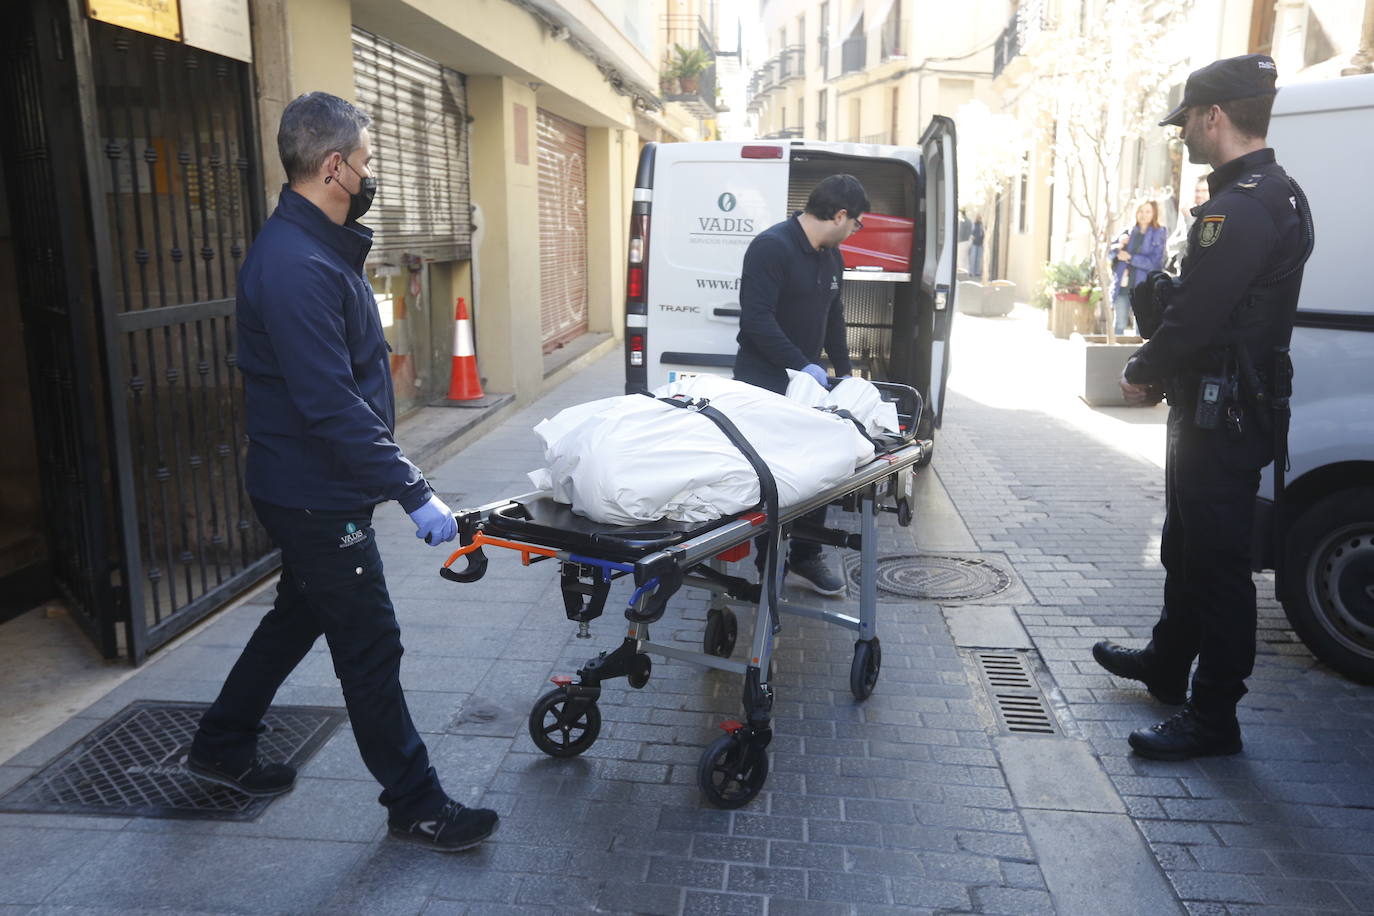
(662,557)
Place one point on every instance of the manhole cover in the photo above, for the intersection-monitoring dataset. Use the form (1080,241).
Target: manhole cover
(932,577)
(133,765)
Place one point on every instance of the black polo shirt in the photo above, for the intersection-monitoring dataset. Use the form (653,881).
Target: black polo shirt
(790,307)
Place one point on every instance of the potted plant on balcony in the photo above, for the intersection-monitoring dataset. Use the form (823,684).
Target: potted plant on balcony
(689,64)
(668,76)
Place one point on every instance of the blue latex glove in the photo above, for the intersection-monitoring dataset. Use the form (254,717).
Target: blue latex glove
(817,373)
(434,522)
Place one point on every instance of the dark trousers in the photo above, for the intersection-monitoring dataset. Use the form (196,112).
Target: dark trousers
(331,584)
(1209,596)
(797,551)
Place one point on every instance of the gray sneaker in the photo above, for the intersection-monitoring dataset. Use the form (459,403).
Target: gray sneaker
(818,576)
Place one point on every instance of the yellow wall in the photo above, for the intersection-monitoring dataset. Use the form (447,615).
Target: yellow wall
(321,35)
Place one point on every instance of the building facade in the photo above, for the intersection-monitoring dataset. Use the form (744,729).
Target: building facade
(505,135)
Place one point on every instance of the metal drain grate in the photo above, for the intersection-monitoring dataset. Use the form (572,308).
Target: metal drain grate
(1021,708)
(931,577)
(133,765)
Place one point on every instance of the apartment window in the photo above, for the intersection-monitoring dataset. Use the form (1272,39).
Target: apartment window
(822,103)
(782,118)
(823,39)
(894,108)
(801,30)
(801,116)
(854,112)
(1022,193)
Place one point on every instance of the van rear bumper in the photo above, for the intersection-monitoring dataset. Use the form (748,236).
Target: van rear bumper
(1262,535)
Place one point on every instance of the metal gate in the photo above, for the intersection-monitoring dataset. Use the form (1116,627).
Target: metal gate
(562,229)
(153,197)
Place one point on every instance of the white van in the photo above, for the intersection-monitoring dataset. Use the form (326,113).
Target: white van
(698,205)
(1322,133)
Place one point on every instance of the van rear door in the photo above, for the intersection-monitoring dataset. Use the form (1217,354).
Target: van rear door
(937,271)
(709,201)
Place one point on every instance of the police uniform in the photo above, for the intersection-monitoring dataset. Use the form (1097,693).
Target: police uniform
(1232,306)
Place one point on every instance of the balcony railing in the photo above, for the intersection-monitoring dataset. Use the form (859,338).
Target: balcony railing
(854,54)
(791,63)
(690,31)
(1028,21)
(787,133)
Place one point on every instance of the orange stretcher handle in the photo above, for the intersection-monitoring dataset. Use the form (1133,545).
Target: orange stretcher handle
(481,540)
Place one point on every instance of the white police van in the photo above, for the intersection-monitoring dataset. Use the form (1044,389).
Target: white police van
(698,205)
(1322,133)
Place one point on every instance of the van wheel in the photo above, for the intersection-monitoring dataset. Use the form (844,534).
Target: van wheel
(1329,582)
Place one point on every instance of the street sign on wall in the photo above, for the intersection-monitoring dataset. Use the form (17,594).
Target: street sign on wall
(153,17)
(218,26)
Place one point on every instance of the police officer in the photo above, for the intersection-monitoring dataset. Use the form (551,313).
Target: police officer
(790,307)
(320,415)
(1214,355)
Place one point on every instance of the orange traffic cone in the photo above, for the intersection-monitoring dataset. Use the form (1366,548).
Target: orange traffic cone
(466,385)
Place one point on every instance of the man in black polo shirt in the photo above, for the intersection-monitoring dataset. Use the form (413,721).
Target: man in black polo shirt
(789,296)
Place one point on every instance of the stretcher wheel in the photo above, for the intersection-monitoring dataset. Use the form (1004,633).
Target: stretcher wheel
(560,731)
(863,673)
(904,512)
(641,666)
(732,771)
(721,630)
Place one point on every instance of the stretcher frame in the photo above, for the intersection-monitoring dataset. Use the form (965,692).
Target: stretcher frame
(565,721)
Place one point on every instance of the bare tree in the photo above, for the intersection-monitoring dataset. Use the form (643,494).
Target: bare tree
(1099,85)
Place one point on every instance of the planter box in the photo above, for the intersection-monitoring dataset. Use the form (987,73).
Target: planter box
(969,300)
(1102,365)
(1064,314)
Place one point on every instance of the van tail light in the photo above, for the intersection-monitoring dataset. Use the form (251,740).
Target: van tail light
(636,278)
(636,349)
(760,152)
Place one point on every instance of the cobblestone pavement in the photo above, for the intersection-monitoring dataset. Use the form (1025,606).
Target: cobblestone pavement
(1075,503)
(900,804)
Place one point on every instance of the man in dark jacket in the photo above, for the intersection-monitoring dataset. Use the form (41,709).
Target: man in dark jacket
(790,307)
(322,454)
(1214,354)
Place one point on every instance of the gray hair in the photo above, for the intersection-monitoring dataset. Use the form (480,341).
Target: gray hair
(313,126)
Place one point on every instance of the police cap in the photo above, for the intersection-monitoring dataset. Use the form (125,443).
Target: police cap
(1241,77)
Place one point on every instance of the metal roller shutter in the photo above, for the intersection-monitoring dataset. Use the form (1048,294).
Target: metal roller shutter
(419,150)
(562,229)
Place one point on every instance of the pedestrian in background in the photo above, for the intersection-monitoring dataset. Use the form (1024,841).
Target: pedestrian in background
(1217,356)
(1135,253)
(975,255)
(322,454)
(964,242)
(1187,216)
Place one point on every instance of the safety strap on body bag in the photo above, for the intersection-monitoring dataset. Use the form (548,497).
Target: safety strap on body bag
(768,489)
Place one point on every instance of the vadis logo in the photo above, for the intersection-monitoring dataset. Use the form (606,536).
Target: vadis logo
(726,202)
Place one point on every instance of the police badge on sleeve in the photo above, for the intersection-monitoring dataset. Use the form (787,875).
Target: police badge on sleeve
(1211,230)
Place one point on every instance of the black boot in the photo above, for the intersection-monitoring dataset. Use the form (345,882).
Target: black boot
(1188,734)
(1139,665)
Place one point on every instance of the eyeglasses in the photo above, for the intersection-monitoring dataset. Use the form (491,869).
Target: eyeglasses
(858,224)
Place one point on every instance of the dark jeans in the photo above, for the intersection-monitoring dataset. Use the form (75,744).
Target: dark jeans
(798,551)
(331,584)
(1209,596)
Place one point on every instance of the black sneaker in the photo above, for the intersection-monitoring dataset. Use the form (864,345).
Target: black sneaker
(453,828)
(818,576)
(1186,735)
(260,779)
(1136,665)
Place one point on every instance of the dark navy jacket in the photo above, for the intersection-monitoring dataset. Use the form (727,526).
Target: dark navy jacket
(789,300)
(320,409)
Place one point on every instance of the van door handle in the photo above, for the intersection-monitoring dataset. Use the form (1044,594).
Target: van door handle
(941,295)
(726,313)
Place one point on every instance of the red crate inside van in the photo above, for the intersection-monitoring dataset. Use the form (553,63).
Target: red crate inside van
(884,241)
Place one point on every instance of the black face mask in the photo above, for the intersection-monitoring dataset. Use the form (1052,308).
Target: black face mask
(359,203)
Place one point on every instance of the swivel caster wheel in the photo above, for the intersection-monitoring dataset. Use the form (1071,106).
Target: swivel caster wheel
(562,727)
(904,512)
(721,630)
(732,771)
(863,673)
(640,669)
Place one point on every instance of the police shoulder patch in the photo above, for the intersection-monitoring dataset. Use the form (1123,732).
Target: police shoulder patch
(1211,230)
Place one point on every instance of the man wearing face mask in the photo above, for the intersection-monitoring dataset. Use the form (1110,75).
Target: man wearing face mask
(320,417)
(790,308)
